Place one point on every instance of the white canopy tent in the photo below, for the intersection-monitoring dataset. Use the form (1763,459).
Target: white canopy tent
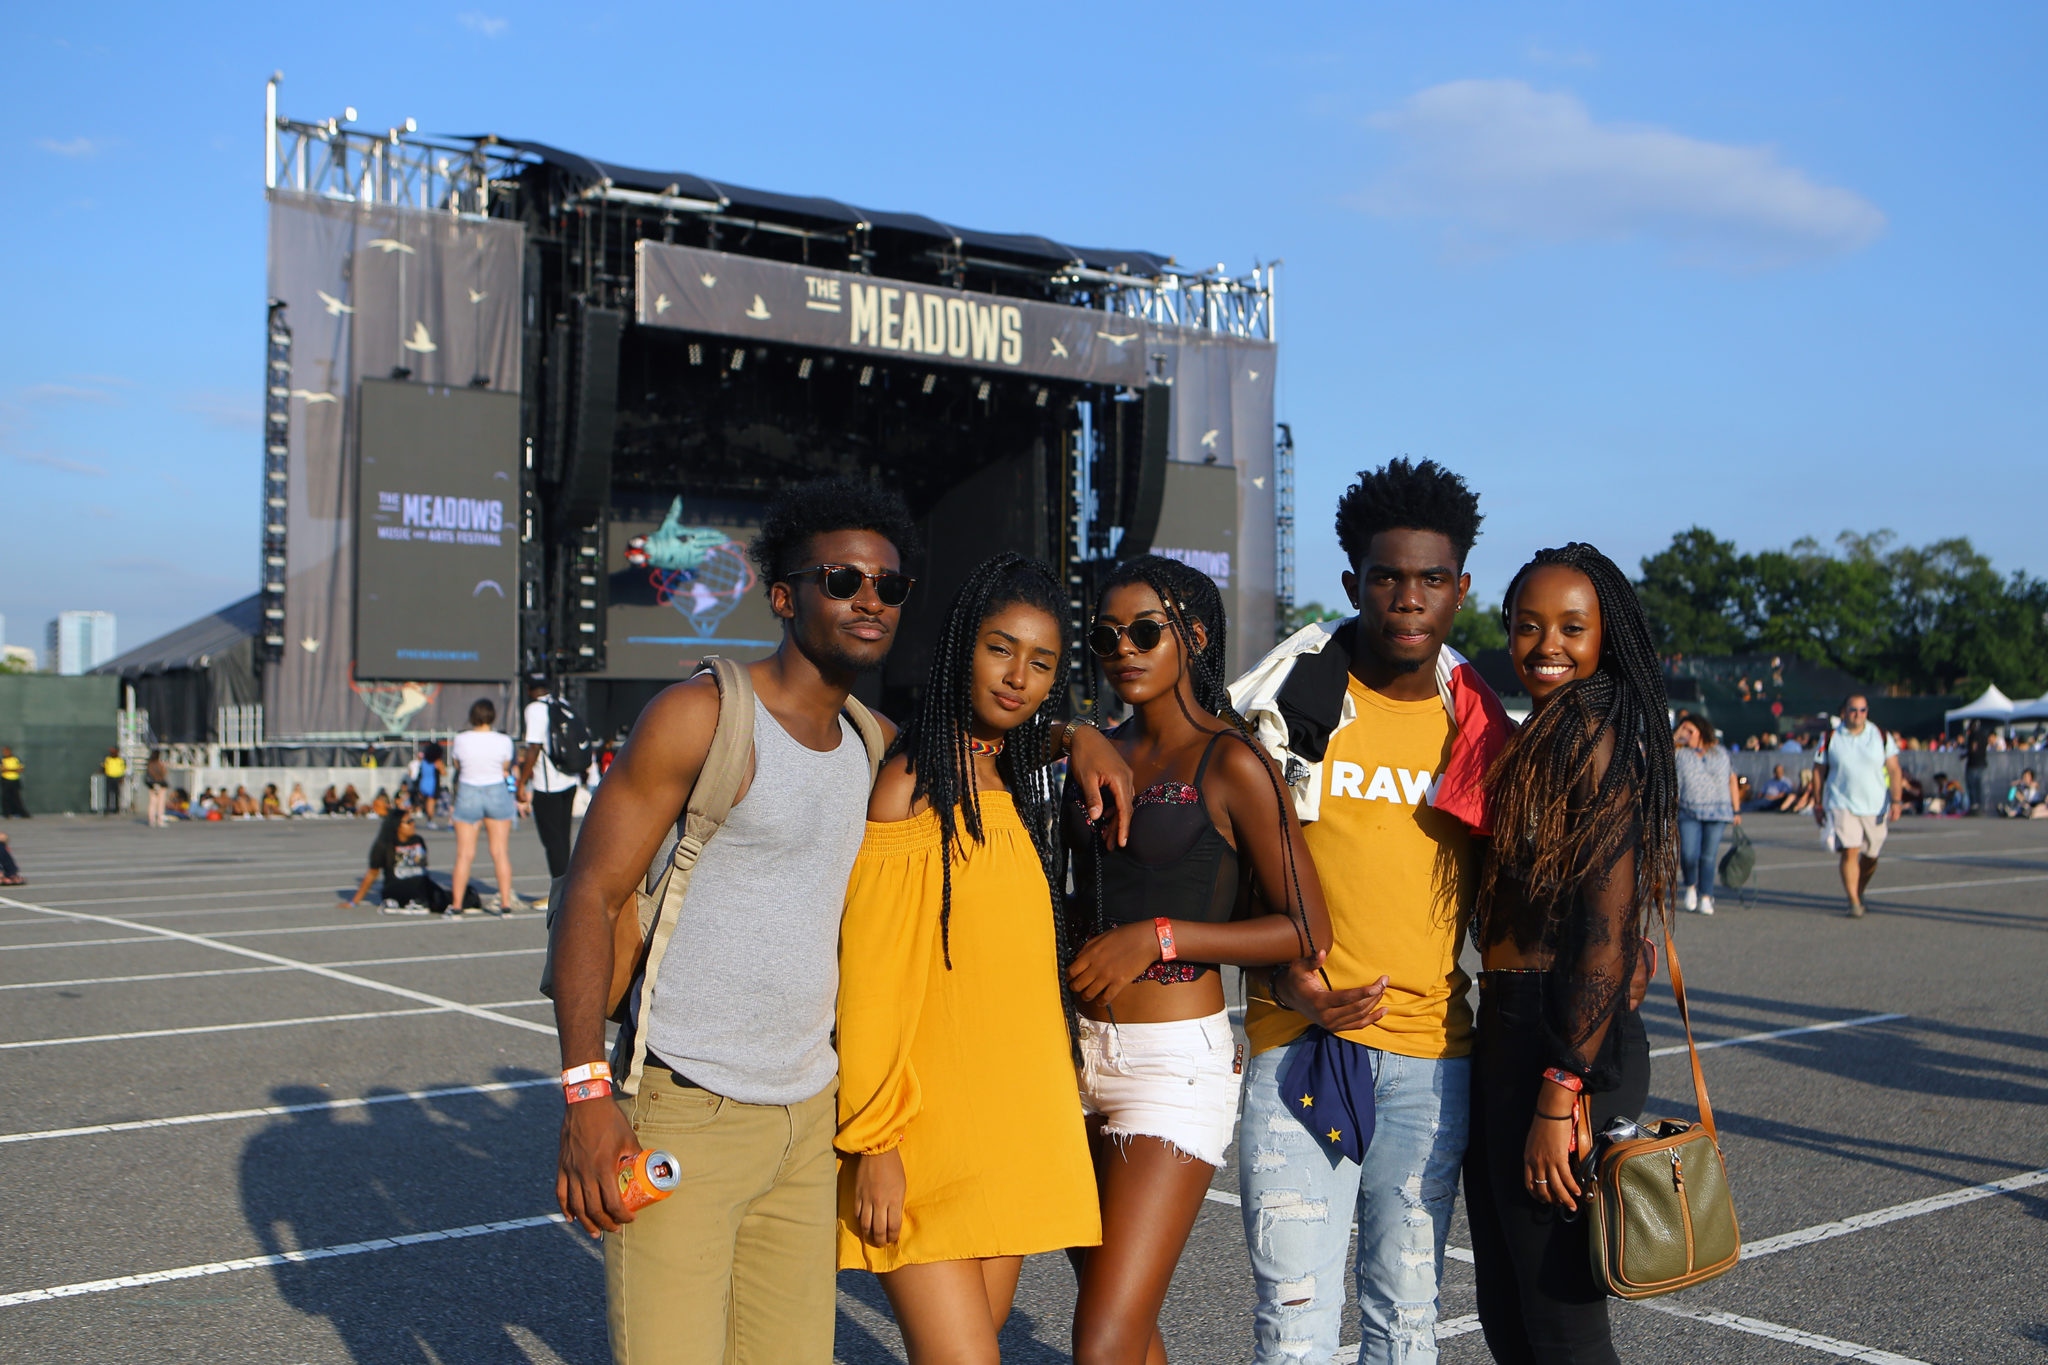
(1993,705)
(2037,709)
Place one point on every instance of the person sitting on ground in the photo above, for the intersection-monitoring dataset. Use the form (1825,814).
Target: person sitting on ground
(380,806)
(271,807)
(351,801)
(1944,797)
(330,801)
(1912,796)
(180,804)
(2023,799)
(203,807)
(1803,798)
(10,871)
(298,803)
(400,856)
(245,804)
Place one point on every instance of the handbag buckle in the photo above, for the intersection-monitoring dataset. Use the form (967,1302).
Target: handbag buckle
(1677,1171)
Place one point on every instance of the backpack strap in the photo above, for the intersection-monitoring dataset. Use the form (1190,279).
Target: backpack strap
(726,765)
(870,731)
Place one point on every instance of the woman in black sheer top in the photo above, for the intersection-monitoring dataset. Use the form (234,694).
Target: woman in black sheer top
(1585,808)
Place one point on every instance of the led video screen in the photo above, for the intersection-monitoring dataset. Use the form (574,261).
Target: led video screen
(437,538)
(681,586)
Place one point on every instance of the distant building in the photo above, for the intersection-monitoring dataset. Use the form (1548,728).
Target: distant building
(80,641)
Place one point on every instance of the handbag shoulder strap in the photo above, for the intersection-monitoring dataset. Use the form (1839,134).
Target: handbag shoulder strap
(1699,1080)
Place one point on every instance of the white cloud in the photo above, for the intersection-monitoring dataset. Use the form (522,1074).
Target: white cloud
(87,390)
(491,26)
(58,462)
(73,147)
(1504,164)
(231,411)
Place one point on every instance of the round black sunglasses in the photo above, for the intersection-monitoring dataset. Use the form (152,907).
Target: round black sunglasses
(1143,633)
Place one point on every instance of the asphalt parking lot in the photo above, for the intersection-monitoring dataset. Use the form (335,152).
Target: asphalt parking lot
(246,1123)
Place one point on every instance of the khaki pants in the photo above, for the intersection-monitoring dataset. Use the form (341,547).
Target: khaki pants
(737,1266)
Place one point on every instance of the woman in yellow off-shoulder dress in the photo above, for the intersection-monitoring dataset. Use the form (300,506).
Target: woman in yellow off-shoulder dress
(959,1123)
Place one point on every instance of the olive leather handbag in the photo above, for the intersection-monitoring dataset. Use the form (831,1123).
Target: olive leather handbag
(1659,1211)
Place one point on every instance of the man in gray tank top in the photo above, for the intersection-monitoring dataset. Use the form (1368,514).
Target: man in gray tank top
(736,1267)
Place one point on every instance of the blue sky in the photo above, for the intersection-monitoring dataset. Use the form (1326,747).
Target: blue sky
(1777,270)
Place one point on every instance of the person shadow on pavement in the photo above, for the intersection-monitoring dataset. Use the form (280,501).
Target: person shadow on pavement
(323,1178)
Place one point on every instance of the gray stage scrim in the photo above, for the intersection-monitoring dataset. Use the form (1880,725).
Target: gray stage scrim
(376,293)
(1222,404)
(1223,416)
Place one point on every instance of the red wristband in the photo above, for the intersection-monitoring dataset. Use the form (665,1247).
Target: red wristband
(586,1090)
(1164,928)
(1564,1078)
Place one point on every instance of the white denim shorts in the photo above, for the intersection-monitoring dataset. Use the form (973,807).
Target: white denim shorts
(1177,1081)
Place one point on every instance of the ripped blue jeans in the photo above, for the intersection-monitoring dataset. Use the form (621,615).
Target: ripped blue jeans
(1298,1210)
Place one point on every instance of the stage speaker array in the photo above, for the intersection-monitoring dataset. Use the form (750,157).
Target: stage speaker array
(1150,493)
(581,597)
(591,416)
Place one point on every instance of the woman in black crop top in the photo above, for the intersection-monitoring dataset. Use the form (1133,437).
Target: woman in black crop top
(1214,871)
(1585,814)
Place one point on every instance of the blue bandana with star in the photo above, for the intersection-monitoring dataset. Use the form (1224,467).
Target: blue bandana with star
(1327,1085)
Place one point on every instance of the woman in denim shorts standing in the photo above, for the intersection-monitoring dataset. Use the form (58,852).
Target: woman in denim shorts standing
(1160,1069)
(481,758)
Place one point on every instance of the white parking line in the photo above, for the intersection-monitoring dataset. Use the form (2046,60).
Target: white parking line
(115,881)
(315,969)
(327,886)
(1822,1232)
(1952,886)
(274,1110)
(192,1272)
(253,1024)
(253,971)
(1745,1039)
(1757,1327)
(158,935)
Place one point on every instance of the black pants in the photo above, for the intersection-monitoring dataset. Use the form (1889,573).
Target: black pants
(1538,1304)
(551,818)
(10,799)
(417,891)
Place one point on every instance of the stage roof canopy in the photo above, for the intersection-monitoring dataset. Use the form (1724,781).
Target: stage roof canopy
(190,646)
(830,212)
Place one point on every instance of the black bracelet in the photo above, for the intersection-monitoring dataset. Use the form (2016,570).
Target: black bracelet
(1556,1118)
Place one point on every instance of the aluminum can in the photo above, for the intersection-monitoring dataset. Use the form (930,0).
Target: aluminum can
(646,1177)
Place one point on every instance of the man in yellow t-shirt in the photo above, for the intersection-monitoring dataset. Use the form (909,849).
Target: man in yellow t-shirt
(1383,733)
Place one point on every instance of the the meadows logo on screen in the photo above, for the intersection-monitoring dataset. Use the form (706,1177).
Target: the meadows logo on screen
(447,520)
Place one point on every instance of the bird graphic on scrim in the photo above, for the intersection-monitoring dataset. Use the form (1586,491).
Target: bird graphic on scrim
(759,312)
(1057,348)
(315,396)
(1209,437)
(1115,340)
(421,339)
(709,280)
(393,703)
(661,304)
(335,307)
(477,296)
(387,245)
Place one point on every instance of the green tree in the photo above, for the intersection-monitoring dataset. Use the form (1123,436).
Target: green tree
(1302,614)
(1477,627)
(1692,592)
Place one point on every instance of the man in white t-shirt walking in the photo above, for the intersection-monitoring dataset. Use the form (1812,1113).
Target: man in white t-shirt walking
(1859,794)
(545,791)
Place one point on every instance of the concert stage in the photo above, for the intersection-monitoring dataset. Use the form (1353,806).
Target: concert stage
(527,408)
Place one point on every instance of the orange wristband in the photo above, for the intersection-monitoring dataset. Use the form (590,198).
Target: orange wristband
(586,1090)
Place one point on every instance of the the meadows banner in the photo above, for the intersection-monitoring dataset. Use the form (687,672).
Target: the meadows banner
(742,296)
